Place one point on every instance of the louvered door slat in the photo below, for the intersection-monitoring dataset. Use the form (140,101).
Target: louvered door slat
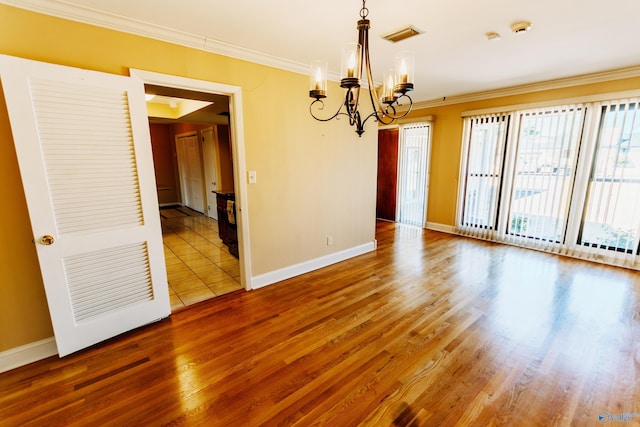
(83,114)
(98,282)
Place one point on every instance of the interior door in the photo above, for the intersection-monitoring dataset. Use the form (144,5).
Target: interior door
(190,169)
(83,146)
(211,170)
(387,174)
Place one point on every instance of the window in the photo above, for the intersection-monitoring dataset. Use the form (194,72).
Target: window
(564,179)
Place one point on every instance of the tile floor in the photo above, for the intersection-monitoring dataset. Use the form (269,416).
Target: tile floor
(199,266)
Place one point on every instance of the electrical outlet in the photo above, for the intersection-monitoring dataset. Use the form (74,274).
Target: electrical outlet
(329,240)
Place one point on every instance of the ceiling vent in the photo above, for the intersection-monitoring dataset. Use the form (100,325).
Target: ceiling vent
(521,27)
(402,34)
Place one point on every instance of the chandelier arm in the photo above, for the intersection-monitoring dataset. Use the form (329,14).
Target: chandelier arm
(377,118)
(394,115)
(352,110)
(358,123)
(364,39)
(408,110)
(351,104)
(321,107)
(380,117)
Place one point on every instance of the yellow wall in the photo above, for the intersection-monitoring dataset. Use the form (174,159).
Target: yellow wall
(313,179)
(24,316)
(447,139)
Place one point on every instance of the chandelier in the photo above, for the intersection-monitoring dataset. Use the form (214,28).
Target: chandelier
(355,62)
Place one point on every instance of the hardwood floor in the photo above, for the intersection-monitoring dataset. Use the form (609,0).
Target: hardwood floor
(429,330)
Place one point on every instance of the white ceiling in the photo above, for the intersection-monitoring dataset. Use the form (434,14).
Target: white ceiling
(453,56)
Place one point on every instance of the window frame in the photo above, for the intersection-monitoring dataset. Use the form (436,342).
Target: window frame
(592,117)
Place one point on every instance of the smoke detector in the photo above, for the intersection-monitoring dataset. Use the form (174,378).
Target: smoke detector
(521,27)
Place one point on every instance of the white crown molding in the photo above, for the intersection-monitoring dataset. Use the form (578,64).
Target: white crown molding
(91,16)
(605,76)
(86,15)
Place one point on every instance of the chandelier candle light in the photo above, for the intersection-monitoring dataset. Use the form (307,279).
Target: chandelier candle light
(355,61)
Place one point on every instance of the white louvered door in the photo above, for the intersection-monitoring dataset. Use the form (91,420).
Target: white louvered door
(82,141)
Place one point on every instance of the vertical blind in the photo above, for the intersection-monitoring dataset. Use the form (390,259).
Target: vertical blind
(412,172)
(611,220)
(483,174)
(564,179)
(546,154)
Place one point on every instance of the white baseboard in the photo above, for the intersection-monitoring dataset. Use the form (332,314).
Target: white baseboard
(441,227)
(28,353)
(311,265)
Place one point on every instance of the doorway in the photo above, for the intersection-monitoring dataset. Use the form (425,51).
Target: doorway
(413,174)
(197,146)
(403,173)
(387,174)
(199,265)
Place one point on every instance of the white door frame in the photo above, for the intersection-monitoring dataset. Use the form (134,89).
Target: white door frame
(211,171)
(237,142)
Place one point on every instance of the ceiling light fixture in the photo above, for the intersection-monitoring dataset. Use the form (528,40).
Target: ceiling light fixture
(355,61)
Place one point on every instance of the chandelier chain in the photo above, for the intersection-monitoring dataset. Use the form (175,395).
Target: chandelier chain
(364,12)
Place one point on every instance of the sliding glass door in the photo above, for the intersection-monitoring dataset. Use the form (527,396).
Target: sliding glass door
(413,174)
(564,179)
(547,151)
(484,170)
(612,211)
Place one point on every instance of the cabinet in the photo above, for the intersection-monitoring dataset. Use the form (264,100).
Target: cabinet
(227,228)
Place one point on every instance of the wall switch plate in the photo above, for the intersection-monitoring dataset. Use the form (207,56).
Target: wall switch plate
(252,177)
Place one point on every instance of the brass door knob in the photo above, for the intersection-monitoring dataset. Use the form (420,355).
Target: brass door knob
(46,240)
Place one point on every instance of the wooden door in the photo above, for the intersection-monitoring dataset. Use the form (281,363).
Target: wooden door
(190,169)
(387,174)
(83,146)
